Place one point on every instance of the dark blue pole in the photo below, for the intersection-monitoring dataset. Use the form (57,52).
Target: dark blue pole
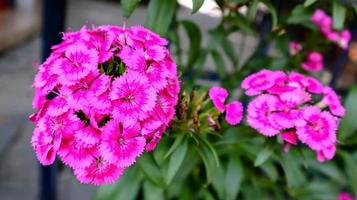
(53,20)
(339,64)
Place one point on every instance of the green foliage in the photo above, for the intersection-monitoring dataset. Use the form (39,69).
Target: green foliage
(200,156)
(128,6)
(348,125)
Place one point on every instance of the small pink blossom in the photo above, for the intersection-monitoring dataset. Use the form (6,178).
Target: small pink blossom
(259,114)
(345,196)
(121,143)
(79,61)
(218,96)
(314,62)
(344,39)
(290,137)
(294,48)
(326,154)
(332,100)
(319,131)
(98,172)
(132,96)
(324,24)
(234,112)
(258,82)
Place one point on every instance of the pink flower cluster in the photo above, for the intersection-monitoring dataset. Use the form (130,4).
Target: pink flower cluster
(294,48)
(234,110)
(345,196)
(286,104)
(103,96)
(314,62)
(324,23)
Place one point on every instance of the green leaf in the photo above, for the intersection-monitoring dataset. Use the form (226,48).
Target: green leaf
(177,142)
(329,169)
(241,22)
(351,170)
(301,15)
(209,157)
(233,178)
(338,15)
(309,2)
(229,50)
(175,162)
(152,192)
(128,6)
(272,11)
(125,189)
(151,170)
(263,155)
(253,7)
(194,34)
(293,174)
(160,15)
(196,5)
(219,63)
(348,124)
(270,170)
(218,182)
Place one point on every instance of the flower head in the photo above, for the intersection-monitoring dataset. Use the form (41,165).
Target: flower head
(292,108)
(103,96)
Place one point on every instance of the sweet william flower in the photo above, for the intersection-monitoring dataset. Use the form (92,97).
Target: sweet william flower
(294,48)
(345,196)
(289,108)
(218,96)
(233,110)
(324,24)
(314,62)
(103,96)
(122,143)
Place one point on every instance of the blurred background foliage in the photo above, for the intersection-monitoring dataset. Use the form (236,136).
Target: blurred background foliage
(194,162)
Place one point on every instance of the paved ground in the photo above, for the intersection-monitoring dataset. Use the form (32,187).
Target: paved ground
(18,166)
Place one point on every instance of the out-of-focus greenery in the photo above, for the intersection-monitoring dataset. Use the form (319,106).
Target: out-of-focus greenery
(236,162)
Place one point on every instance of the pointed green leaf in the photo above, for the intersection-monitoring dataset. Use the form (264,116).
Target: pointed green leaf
(220,66)
(209,157)
(128,6)
(218,182)
(234,176)
(348,124)
(196,5)
(338,15)
(194,34)
(263,155)
(351,170)
(229,50)
(160,15)
(127,188)
(293,174)
(253,7)
(150,169)
(152,192)
(177,142)
(309,2)
(175,162)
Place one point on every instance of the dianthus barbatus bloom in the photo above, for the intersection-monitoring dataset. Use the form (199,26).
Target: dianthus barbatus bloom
(234,109)
(296,107)
(314,62)
(345,196)
(324,24)
(103,96)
